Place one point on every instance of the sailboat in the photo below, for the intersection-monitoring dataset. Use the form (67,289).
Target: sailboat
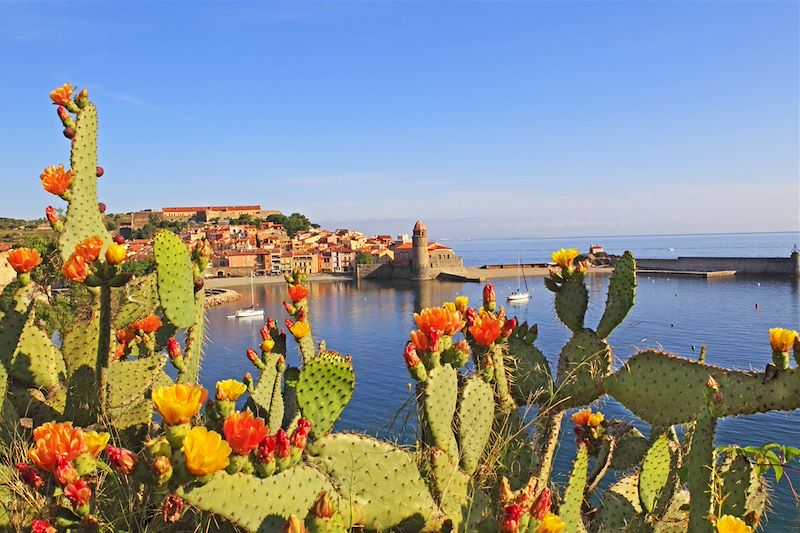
(518,295)
(252,311)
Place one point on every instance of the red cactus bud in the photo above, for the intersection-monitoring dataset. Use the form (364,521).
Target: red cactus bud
(161,465)
(289,307)
(282,445)
(462,346)
(433,339)
(511,517)
(248,377)
(508,327)
(301,315)
(488,294)
(266,448)
(42,526)
(173,348)
(410,355)
(264,333)
(50,213)
(471,316)
(172,509)
(123,461)
(101,207)
(69,133)
(253,356)
(65,472)
(78,493)
(271,323)
(542,505)
(63,114)
(300,434)
(30,476)
(119,239)
(99,171)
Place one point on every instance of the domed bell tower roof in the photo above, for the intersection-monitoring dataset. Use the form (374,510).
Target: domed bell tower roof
(419,227)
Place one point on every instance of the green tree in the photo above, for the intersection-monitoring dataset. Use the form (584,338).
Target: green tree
(363,258)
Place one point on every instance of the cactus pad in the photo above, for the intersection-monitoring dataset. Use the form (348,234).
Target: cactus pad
(80,356)
(531,374)
(655,473)
(193,354)
(261,505)
(570,510)
(83,219)
(129,385)
(571,302)
(140,299)
(620,509)
(621,293)
(175,279)
(665,389)
(36,361)
(452,485)
(584,360)
(742,490)
(630,450)
(380,480)
(439,396)
(475,417)
(324,389)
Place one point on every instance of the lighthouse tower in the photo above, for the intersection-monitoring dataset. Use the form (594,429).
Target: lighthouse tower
(420,261)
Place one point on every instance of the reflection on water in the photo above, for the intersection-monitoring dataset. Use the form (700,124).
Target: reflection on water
(371,321)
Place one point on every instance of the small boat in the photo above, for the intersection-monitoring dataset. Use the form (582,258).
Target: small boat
(252,311)
(519,295)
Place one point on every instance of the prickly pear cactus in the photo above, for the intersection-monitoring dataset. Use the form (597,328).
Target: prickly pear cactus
(324,388)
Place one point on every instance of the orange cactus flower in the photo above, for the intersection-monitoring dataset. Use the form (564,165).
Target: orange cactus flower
(439,319)
(205,451)
(423,343)
(230,390)
(95,442)
(486,328)
(551,524)
(781,340)
(294,525)
(56,180)
(78,493)
(243,431)
(585,417)
(24,259)
(565,257)
(54,442)
(297,292)
(732,524)
(62,95)
(89,248)
(148,324)
(177,404)
(75,268)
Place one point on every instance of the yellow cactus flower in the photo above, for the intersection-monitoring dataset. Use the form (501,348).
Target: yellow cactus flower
(116,254)
(230,390)
(595,419)
(551,524)
(731,524)
(450,306)
(565,256)
(205,451)
(300,329)
(781,339)
(462,302)
(177,404)
(95,442)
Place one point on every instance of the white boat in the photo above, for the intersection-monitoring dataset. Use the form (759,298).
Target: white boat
(519,295)
(252,311)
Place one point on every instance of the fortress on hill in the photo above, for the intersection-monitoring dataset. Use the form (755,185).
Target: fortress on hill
(418,260)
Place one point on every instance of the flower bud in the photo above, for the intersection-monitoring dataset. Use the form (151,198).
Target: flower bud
(410,355)
(271,323)
(299,436)
(508,328)
(289,307)
(462,302)
(30,476)
(119,239)
(65,472)
(50,213)
(101,207)
(511,517)
(294,525)
(282,444)
(99,171)
(122,460)
(69,133)
(78,493)
(267,345)
(323,507)
(173,347)
(489,297)
(162,468)
(542,504)
(42,526)
(506,494)
(172,509)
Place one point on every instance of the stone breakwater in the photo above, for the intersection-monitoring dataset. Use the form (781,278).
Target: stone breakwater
(220,296)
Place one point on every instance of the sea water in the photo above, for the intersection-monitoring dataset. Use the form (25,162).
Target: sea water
(371,321)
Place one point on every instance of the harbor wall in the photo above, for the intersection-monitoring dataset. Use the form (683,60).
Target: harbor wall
(755,266)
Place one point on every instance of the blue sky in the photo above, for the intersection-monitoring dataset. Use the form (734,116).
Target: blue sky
(497,118)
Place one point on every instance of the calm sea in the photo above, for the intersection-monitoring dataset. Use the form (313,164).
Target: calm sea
(371,322)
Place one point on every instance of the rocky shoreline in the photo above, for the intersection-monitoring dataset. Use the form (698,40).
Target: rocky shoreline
(215,296)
